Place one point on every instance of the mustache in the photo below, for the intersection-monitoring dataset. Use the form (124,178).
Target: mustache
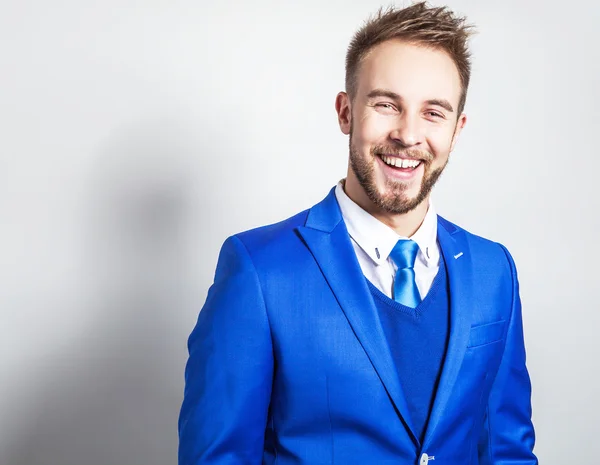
(415,154)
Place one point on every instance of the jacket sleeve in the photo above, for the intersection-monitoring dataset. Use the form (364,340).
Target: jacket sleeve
(229,372)
(508,436)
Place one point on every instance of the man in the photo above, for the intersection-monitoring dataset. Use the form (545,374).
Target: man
(367,329)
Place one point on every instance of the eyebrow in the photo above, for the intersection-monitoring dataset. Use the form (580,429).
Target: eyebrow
(445,104)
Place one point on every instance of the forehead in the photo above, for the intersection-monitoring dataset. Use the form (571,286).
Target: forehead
(413,71)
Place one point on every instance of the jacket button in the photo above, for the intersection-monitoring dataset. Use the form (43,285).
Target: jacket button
(424,459)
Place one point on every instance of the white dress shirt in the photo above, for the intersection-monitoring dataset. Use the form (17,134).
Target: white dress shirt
(373,241)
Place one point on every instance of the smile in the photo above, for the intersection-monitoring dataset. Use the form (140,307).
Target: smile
(400,162)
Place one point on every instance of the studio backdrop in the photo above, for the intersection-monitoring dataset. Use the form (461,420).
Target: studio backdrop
(137,135)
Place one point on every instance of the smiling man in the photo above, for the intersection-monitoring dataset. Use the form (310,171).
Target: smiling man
(407,126)
(368,329)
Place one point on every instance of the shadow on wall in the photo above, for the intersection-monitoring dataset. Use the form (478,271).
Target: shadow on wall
(115,397)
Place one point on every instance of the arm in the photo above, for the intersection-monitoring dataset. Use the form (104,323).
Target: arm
(508,437)
(229,372)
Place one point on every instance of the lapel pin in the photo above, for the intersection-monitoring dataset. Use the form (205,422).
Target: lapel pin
(458,255)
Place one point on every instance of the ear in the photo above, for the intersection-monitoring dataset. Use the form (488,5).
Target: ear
(460,124)
(344,112)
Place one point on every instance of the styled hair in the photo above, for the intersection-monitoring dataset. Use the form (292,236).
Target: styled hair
(419,24)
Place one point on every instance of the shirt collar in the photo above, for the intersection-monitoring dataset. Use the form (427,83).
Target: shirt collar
(377,239)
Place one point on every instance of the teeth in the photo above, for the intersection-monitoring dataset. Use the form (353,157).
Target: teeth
(400,163)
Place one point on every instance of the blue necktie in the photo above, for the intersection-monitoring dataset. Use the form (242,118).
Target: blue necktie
(404,255)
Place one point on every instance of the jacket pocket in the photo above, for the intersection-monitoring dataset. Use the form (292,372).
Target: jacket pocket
(486,334)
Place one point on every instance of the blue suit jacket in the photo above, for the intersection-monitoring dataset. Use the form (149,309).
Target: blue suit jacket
(289,363)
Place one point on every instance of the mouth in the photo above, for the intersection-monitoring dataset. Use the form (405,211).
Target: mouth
(400,164)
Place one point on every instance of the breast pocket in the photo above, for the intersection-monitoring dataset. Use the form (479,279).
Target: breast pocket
(488,333)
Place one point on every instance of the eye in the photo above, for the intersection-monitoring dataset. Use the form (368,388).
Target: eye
(385,106)
(434,114)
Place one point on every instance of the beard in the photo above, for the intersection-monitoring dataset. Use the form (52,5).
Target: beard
(394,199)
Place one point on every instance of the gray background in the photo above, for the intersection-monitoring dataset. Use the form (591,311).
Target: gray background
(136,136)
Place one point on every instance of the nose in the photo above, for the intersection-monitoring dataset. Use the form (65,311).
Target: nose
(408,131)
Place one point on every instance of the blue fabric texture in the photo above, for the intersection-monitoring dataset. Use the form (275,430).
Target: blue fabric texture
(417,338)
(289,363)
(404,255)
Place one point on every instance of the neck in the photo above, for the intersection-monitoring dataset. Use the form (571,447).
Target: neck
(404,224)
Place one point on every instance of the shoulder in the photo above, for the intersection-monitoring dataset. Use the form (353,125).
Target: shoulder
(267,243)
(484,250)
(272,234)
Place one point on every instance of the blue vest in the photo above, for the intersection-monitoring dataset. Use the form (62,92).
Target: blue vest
(417,338)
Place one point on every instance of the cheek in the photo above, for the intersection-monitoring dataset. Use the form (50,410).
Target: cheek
(439,143)
(372,129)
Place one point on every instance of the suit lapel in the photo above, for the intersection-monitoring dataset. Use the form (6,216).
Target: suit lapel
(456,254)
(326,236)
